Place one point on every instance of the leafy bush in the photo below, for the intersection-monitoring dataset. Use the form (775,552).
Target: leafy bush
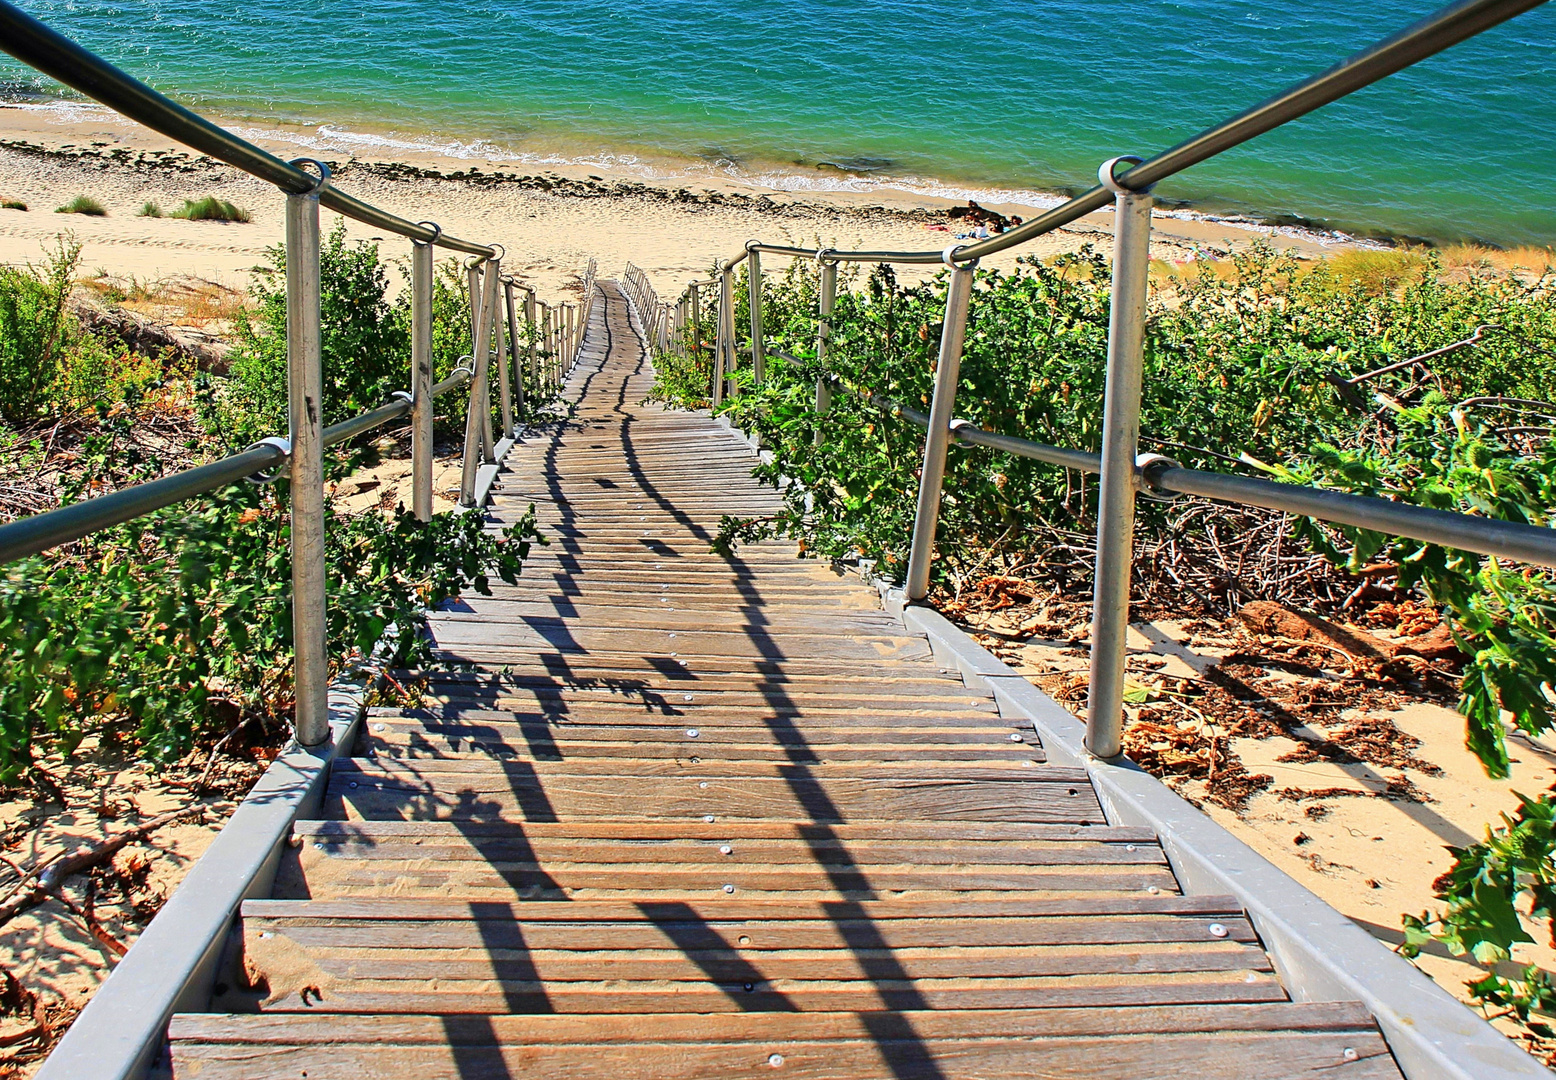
(83,204)
(149,209)
(209,208)
(12,204)
(365,337)
(365,344)
(160,630)
(35,330)
(1483,893)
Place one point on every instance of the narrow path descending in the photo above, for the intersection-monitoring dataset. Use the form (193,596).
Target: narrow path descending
(690,815)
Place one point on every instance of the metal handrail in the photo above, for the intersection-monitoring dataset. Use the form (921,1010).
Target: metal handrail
(1119,464)
(50,52)
(39,532)
(1162,476)
(35,44)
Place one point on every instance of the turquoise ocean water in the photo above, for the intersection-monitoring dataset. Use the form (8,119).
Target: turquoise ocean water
(979,94)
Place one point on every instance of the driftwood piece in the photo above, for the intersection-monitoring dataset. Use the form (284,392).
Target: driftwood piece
(148,336)
(1277,620)
(53,875)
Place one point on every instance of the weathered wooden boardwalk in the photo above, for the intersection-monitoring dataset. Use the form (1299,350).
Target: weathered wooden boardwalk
(703,816)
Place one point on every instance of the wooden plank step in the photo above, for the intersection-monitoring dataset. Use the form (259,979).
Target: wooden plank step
(516,792)
(742,694)
(680,768)
(1021,834)
(677,727)
(525,995)
(748,853)
(568,638)
(1286,1055)
(606,665)
(500,610)
(688,707)
(908,679)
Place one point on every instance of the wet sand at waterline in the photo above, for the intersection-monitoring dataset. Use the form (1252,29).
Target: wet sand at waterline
(551,219)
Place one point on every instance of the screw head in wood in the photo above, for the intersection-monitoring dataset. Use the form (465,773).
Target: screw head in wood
(1217,930)
(1349,1053)
(692,733)
(729,888)
(726,850)
(1015,736)
(709,819)
(775,1060)
(688,697)
(1153,890)
(353,783)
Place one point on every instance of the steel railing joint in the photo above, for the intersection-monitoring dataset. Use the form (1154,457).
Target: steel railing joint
(273,473)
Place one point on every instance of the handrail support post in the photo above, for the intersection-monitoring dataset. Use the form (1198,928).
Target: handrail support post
(422,404)
(754,303)
(305,407)
(827,298)
(479,445)
(1116,494)
(942,406)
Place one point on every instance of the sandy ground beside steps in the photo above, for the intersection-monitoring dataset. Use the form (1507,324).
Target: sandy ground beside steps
(549,236)
(1373,858)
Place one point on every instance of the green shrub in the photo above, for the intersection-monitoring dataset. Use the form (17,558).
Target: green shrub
(149,209)
(34,331)
(12,204)
(209,208)
(83,204)
(155,632)
(364,339)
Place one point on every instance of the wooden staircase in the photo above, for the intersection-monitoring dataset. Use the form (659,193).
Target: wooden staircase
(700,816)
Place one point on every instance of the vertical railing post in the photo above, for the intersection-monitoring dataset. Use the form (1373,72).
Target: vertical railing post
(1120,438)
(305,405)
(479,446)
(500,356)
(754,302)
(545,341)
(508,287)
(948,369)
(422,404)
(533,336)
(696,317)
(724,340)
(828,297)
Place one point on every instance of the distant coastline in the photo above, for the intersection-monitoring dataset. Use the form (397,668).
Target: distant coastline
(823,179)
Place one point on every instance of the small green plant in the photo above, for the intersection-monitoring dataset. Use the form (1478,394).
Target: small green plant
(149,209)
(83,204)
(35,329)
(12,204)
(1513,869)
(210,208)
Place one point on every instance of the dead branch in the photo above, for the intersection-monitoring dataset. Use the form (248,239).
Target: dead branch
(52,875)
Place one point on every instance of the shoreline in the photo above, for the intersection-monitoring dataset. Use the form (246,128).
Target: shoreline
(550,218)
(820,179)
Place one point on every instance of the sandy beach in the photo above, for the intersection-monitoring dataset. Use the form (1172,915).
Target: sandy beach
(551,220)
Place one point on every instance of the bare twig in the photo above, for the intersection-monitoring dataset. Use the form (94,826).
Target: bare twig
(52,875)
